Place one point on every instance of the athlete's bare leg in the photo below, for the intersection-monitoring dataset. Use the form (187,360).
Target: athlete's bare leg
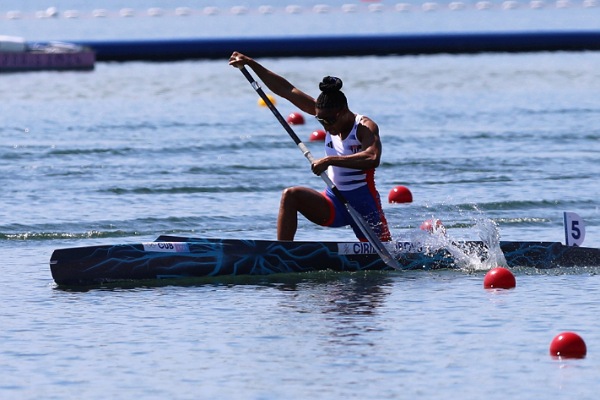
(310,203)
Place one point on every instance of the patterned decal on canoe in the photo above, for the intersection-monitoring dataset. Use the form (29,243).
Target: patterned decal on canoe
(167,247)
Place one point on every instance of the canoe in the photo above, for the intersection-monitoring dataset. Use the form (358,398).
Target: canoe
(183,257)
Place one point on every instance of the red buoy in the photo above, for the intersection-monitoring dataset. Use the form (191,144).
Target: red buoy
(568,345)
(295,118)
(430,224)
(499,278)
(400,194)
(318,135)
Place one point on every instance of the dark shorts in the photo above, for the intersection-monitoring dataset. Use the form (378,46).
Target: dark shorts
(367,203)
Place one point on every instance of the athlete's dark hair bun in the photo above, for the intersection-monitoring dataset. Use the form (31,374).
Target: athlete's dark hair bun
(331,96)
(330,84)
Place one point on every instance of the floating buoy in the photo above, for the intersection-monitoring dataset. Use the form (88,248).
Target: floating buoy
(430,6)
(293,9)
(375,8)
(499,278)
(400,194)
(295,118)
(155,12)
(210,10)
(52,12)
(100,13)
(568,345)
(71,14)
(127,12)
(403,7)
(321,9)
(510,5)
(183,11)
(431,225)
(536,4)
(266,10)
(456,6)
(14,15)
(239,10)
(262,103)
(318,135)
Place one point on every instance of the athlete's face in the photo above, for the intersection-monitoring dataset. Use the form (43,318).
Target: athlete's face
(328,118)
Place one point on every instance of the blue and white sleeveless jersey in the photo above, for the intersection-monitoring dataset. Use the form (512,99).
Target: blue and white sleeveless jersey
(345,178)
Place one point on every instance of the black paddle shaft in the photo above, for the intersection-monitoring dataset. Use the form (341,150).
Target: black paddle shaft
(271,106)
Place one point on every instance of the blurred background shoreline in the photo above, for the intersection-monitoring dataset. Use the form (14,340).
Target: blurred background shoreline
(161,19)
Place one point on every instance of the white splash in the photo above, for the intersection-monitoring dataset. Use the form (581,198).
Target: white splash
(468,255)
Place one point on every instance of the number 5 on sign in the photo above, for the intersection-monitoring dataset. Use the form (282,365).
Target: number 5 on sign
(574,229)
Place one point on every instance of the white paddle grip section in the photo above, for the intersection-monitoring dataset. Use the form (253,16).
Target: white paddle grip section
(306,152)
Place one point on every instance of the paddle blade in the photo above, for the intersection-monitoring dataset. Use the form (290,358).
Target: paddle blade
(380,249)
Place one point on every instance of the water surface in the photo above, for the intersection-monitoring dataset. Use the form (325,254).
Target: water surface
(131,151)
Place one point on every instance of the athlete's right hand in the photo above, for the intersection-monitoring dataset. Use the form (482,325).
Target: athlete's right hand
(319,166)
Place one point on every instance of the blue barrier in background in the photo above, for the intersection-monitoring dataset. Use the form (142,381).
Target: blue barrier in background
(324,46)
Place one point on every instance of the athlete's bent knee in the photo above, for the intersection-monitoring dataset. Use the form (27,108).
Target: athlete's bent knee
(289,196)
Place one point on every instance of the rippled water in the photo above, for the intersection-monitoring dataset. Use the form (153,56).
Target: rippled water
(185,146)
(131,151)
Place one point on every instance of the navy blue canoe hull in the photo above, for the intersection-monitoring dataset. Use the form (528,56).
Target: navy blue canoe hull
(180,257)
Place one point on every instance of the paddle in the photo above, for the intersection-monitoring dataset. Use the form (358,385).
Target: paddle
(358,219)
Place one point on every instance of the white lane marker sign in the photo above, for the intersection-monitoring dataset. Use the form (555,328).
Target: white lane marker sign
(574,229)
